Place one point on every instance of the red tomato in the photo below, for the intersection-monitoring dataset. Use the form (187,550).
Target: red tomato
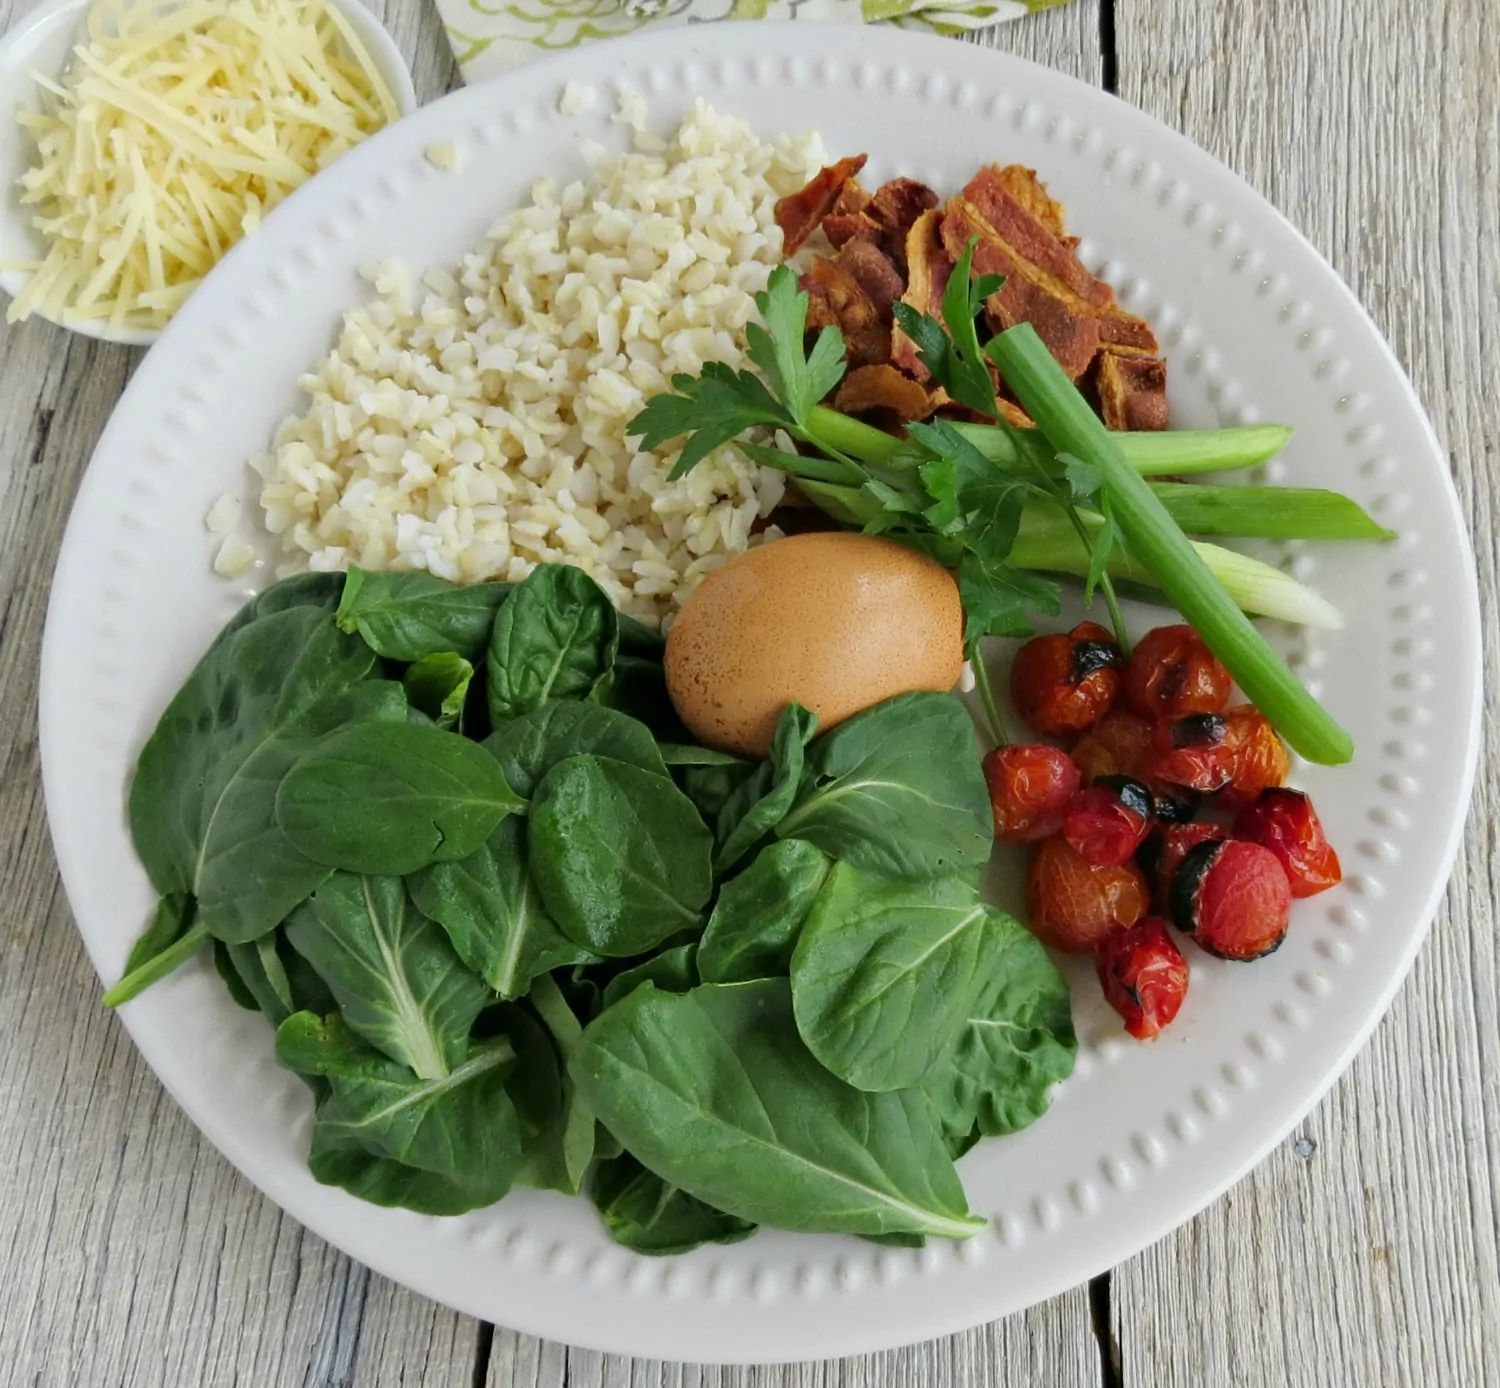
(1173,844)
(1261,760)
(1119,744)
(1173,673)
(1232,898)
(1104,828)
(1073,905)
(1065,684)
(1235,753)
(1031,788)
(1285,822)
(1144,976)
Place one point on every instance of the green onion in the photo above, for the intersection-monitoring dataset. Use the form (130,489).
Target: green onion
(1046,541)
(1159,545)
(1268,513)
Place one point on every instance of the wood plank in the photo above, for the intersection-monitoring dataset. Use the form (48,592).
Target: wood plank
(1054,1343)
(1364,1250)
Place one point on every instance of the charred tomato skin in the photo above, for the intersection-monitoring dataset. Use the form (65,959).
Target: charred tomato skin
(1119,744)
(1232,898)
(1064,684)
(1261,760)
(1173,673)
(1144,976)
(1031,787)
(1169,847)
(1107,823)
(1073,904)
(1284,821)
(1194,752)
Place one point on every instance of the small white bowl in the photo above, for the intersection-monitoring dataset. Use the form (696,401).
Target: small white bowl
(40,41)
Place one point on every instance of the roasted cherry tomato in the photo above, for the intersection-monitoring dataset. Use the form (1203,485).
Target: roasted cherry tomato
(1031,788)
(1065,684)
(1167,850)
(1197,752)
(1072,904)
(1119,744)
(1285,822)
(1261,761)
(1173,673)
(1232,898)
(1107,822)
(1144,976)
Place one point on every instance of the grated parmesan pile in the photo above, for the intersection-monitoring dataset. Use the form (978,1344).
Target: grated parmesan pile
(172,132)
(474,424)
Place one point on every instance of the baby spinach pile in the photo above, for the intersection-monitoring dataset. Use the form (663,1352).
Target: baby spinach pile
(514,928)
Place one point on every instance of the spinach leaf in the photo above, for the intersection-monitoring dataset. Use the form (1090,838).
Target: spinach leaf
(528,747)
(714,1091)
(758,915)
(637,639)
(885,974)
(277,979)
(555,639)
(710,785)
(202,804)
(620,855)
(758,804)
(638,687)
(406,616)
(438,684)
(441,1145)
(673,971)
(321,590)
(642,1212)
(238,990)
(391,798)
(397,980)
(686,754)
(1016,1042)
(897,790)
(174,936)
(490,906)
(574,1133)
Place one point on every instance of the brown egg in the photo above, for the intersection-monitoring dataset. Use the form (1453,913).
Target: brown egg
(835,622)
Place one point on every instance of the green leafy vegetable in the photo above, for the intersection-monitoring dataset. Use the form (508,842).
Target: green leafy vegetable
(760,802)
(886,973)
(391,798)
(1016,1042)
(492,911)
(277,980)
(406,616)
(202,804)
(529,746)
(173,937)
(642,1212)
(555,639)
(714,1091)
(397,980)
(576,1125)
(897,790)
(439,1146)
(438,684)
(759,913)
(620,855)
(673,971)
(320,590)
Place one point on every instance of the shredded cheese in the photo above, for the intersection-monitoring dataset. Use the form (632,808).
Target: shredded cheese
(171,134)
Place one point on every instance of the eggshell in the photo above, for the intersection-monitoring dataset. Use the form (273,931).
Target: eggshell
(833,621)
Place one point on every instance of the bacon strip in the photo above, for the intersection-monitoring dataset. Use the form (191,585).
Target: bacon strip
(800,214)
(885,388)
(880,279)
(928,268)
(1132,391)
(835,296)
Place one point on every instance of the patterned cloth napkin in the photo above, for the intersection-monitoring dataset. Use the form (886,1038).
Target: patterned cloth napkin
(489,36)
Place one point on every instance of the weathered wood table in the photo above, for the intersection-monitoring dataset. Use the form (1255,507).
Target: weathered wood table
(1363,1252)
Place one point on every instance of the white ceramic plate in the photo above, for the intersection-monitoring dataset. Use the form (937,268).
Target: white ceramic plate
(41,41)
(1257,327)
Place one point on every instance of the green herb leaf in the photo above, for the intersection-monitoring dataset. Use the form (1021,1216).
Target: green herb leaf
(710,409)
(998,599)
(797,379)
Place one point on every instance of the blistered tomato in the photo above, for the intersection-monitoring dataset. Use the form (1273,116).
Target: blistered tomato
(1107,823)
(1073,905)
(1144,976)
(1235,754)
(1169,847)
(1119,744)
(1232,898)
(1031,787)
(1285,822)
(1261,760)
(1065,684)
(1173,673)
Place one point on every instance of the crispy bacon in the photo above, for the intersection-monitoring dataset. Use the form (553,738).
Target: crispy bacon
(835,296)
(1028,190)
(800,214)
(1126,335)
(1132,391)
(928,268)
(872,268)
(883,388)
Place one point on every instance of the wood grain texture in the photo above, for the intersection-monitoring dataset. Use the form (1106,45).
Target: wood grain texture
(1375,126)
